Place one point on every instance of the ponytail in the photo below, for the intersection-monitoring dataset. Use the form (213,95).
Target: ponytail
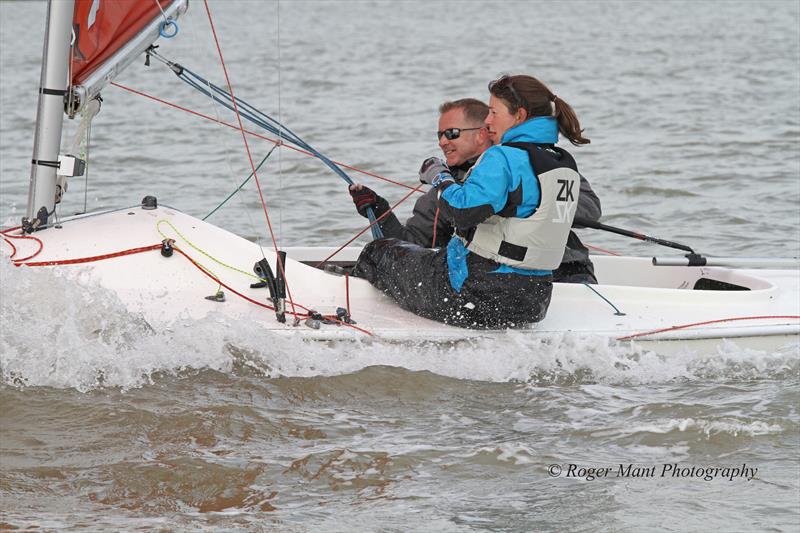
(526,92)
(568,123)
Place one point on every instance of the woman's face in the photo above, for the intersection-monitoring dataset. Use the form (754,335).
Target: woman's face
(500,119)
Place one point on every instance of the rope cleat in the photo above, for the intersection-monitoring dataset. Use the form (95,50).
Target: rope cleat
(316,319)
(219,296)
(275,284)
(167,247)
(343,316)
(336,270)
(313,323)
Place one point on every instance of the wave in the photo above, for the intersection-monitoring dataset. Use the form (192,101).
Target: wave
(64,331)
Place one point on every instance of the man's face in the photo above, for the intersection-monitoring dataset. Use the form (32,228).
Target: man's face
(467,145)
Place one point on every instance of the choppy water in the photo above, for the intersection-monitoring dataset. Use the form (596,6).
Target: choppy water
(694,116)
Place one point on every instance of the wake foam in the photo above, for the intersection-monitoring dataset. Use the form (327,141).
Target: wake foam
(709,428)
(65,331)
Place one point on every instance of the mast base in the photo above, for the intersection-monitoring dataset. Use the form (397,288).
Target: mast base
(29,226)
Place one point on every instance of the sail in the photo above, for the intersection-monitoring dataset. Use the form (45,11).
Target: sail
(103,27)
(110,34)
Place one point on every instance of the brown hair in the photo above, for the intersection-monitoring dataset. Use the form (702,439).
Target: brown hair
(475,110)
(528,93)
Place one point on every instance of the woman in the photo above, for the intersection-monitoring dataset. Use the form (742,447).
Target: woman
(512,216)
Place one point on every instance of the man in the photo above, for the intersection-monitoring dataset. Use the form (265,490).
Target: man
(463,137)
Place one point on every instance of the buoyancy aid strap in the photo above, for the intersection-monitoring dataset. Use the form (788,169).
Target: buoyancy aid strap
(512,251)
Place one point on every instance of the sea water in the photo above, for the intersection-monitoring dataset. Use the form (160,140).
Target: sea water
(694,116)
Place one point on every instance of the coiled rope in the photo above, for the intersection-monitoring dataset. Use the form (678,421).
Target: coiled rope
(308,313)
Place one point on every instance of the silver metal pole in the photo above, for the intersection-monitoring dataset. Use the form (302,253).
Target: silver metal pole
(740,262)
(50,112)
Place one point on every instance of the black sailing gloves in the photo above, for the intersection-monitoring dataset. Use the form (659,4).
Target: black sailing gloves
(364,197)
(435,172)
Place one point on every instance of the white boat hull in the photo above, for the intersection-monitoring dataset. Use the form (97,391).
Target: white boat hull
(635,301)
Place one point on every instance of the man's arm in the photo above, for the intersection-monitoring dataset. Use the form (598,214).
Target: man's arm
(588,203)
(419,227)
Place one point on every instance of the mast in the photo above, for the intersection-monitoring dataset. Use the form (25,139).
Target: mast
(108,36)
(49,114)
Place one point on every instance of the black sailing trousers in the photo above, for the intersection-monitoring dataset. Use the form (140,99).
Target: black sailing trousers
(417,278)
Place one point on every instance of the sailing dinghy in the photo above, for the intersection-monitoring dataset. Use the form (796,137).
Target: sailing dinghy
(164,264)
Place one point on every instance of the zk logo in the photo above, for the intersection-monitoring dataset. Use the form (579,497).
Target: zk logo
(565,200)
(565,192)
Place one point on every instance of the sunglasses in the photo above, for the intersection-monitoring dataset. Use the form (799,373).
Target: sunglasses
(454,133)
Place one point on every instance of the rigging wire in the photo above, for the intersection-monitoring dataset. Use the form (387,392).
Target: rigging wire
(706,323)
(86,170)
(259,136)
(278,143)
(72,39)
(168,22)
(280,115)
(279,262)
(617,312)
(239,188)
(245,110)
(357,235)
(163,14)
(231,173)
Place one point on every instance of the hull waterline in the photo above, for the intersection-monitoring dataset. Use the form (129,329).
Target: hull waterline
(652,306)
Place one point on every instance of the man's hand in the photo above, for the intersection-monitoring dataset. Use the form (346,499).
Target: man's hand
(434,172)
(364,197)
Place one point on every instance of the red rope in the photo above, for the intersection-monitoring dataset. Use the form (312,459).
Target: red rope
(377,220)
(130,251)
(684,326)
(218,281)
(13,248)
(6,236)
(435,223)
(296,149)
(600,249)
(347,291)
(237,293)
(152,247)
(257,135)
(278,260)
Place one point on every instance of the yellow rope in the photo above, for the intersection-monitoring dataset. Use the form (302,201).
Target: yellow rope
(198,249)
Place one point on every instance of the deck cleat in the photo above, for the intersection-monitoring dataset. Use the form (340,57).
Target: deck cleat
(336,270)
(167,247)
(343,316)
(219,296)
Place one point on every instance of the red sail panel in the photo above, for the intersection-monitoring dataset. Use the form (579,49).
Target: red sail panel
(104,26)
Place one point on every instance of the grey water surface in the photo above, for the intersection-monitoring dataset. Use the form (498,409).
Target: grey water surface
(693,109)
